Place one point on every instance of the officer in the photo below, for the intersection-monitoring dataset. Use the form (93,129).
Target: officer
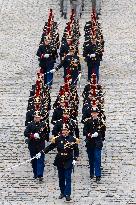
(36,133)
(68,152)
(47,57)
(94,142)
(72,62)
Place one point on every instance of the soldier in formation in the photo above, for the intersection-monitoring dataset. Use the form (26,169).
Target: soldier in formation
(93,46)
(69,50)
(37,123)
(94,125)
(47,51)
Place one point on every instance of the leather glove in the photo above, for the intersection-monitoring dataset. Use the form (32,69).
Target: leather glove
(38,155)
(95,135)
(36,136)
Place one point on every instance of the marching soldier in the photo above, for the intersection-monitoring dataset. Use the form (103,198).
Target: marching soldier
(72,62)
(65,47)
(94,142)
(47,57)
(92,58)
(94,125)
(36,133)
(93,45)
(67,154)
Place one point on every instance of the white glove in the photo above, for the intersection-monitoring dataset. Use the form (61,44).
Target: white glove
(74,162)
(46,55)
(38,155)
(92,55)
(36,136)
(95,134)
(53,70)
(79,76)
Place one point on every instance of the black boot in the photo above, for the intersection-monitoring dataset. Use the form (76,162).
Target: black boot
(91,176)
(61,196)
(40,179)
(68,198)
(98,179)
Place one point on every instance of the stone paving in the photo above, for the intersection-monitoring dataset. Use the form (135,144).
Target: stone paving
(21,26)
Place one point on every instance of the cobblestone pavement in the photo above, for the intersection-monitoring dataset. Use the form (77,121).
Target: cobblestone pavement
(21,25)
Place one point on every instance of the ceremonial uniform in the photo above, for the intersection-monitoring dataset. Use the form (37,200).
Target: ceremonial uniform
(64,49)
(36,133)
(92,58)
(57,115)
(71,62)
(47,57)
(94,144)
(67,149)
